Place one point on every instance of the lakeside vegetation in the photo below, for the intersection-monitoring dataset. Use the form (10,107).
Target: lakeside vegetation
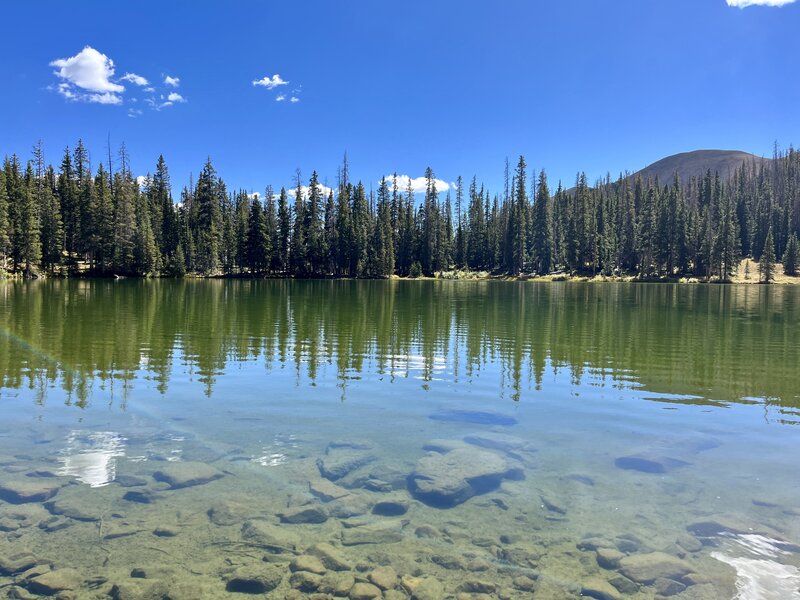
(103,221)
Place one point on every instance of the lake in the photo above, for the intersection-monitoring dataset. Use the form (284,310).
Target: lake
(399,439)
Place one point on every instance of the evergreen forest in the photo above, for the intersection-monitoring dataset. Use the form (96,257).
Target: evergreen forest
(99,220)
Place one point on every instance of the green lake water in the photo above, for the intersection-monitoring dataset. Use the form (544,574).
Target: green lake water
(399,439)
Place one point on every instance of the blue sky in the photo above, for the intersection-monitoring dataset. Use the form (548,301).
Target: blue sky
(599,86)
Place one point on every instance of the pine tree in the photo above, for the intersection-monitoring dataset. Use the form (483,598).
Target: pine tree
(766,267)
(101,239)
(284,233)
(298,253)
(315,228)
(791,256)
(146,255)
(207,220)
(5,239)
(52,231)
(518,223)
(28,241)
(125,231)
(542,228)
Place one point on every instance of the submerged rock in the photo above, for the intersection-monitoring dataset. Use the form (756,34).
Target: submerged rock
(72,507)
(423,588)
(326,490)
(598,588)
(384,577)
(446,480)
(273,538)
(140,496)
(186,474)
(608,558)
(227,512)
(28,490)
(341,461)
(381,533)
(474,416)
(391,507)
(16,563)
(649,464)
(646,568)
(330,556)
(309,563)
(254,579)
(305,581)
(304,514)
(365,591)
(504,442)
(338,584)
(55,581)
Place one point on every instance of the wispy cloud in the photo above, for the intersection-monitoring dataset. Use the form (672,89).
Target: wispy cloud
(280,98)
(418,184)
(294,99)
(135,79)
(270,82)
(746,3)
(87,77)
(172,81)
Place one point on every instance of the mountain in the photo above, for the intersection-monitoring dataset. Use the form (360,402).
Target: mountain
(693,164)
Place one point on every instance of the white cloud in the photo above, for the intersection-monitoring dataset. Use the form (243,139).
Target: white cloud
(172,81)
(87,77)
(149,89)
(746,3)
(418,184)
(254,195)
(270,82)
(136,79)
(175,97)
(324,190)
(294,99)
(142,181)
(280,98)
(135,112)
(89,70)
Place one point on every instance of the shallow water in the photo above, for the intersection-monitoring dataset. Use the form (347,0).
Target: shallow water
(516,440)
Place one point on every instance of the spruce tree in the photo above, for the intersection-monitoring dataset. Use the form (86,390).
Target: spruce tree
(207,220)
(766,266)
(5,239)
(284,233)
(542,228)
(791,256)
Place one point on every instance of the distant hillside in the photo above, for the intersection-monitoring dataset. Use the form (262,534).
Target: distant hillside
(692,164)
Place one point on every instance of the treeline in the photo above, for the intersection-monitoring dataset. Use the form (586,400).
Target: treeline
(104,221)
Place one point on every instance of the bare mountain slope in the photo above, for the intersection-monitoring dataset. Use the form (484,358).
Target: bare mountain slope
(692,164)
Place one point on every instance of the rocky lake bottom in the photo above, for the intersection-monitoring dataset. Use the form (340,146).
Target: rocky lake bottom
(485,513)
